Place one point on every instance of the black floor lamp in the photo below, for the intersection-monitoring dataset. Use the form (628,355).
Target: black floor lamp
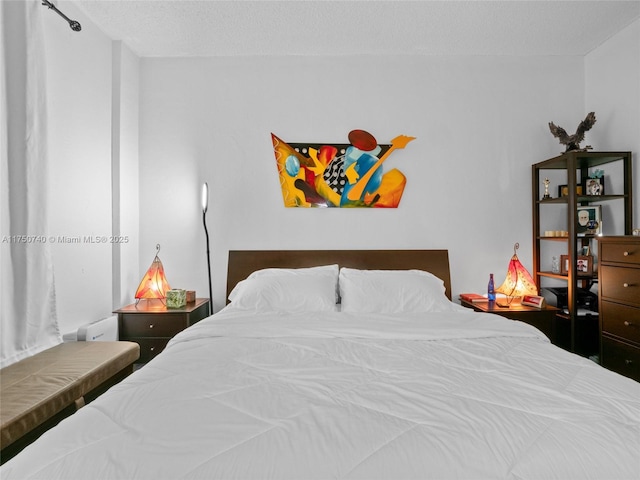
(205,206)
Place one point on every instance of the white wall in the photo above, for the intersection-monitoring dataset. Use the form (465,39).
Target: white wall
(480,123)
(612,79)
(125,181)
(93,126)
(79,96)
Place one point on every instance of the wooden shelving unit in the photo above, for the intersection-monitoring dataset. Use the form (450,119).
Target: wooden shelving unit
(577,167)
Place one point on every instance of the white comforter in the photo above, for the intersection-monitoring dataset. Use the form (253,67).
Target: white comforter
(282,396)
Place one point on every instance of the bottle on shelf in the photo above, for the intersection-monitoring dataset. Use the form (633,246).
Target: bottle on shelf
(491,291)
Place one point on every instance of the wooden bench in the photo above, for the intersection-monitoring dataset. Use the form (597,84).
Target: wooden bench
(39,391)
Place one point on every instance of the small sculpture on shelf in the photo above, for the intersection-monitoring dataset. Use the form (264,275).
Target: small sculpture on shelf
(546,195)
(572,142)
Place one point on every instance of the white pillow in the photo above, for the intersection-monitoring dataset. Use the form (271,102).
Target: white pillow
(290,290)
(392,291)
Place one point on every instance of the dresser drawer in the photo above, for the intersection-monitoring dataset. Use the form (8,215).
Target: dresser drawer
(620,283)
(152,325)
(620,320)
(621,358)
(623,252)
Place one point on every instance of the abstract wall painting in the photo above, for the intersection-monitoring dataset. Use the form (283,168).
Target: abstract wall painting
(340,175)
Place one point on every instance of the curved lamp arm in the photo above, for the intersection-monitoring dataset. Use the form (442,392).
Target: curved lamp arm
(205,207)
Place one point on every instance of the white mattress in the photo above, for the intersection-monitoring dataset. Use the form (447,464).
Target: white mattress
(456,395)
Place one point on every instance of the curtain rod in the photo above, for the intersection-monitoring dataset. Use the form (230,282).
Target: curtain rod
(75,26)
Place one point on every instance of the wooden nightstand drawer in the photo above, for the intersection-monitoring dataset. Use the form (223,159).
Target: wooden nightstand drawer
(541,318)
(150,347)
(621,357)
(620,252)
(621,320)
(620,283)
(152,325)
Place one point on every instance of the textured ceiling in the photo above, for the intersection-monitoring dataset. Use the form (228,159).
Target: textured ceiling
(167,28)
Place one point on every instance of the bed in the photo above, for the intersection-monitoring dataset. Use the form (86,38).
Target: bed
(354,365)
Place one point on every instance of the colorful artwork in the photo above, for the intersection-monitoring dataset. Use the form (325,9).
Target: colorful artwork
(340,175)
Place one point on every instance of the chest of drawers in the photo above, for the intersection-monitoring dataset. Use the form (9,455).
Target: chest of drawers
(619,289)
(151,324)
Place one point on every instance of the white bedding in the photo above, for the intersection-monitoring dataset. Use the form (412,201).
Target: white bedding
(335,395)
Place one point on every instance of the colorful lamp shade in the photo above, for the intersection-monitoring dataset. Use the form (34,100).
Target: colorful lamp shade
(518,282)
(154,283)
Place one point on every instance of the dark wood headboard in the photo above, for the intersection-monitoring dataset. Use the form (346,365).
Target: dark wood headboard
(244,262)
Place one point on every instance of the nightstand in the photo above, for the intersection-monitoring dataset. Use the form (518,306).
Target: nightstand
(151,324)
(541,318)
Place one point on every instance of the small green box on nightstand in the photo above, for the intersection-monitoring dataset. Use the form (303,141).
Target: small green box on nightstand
(176,298)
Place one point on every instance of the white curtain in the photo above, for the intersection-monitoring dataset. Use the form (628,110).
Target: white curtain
(28,322)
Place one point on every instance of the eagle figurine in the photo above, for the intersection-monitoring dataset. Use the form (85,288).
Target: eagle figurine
(573,141)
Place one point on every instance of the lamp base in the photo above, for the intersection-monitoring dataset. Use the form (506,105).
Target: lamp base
(511,301)
(151,303)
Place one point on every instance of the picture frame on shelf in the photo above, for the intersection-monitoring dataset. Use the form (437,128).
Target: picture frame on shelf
(584,265)
(589,220)
(563,190)
(594,186)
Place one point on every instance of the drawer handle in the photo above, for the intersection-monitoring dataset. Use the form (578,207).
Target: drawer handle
(151,325)
(626,254)
(152,349)
(627,323)
(625,285)
(628,362)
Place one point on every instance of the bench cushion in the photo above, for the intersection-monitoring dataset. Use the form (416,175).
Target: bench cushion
(39,387)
